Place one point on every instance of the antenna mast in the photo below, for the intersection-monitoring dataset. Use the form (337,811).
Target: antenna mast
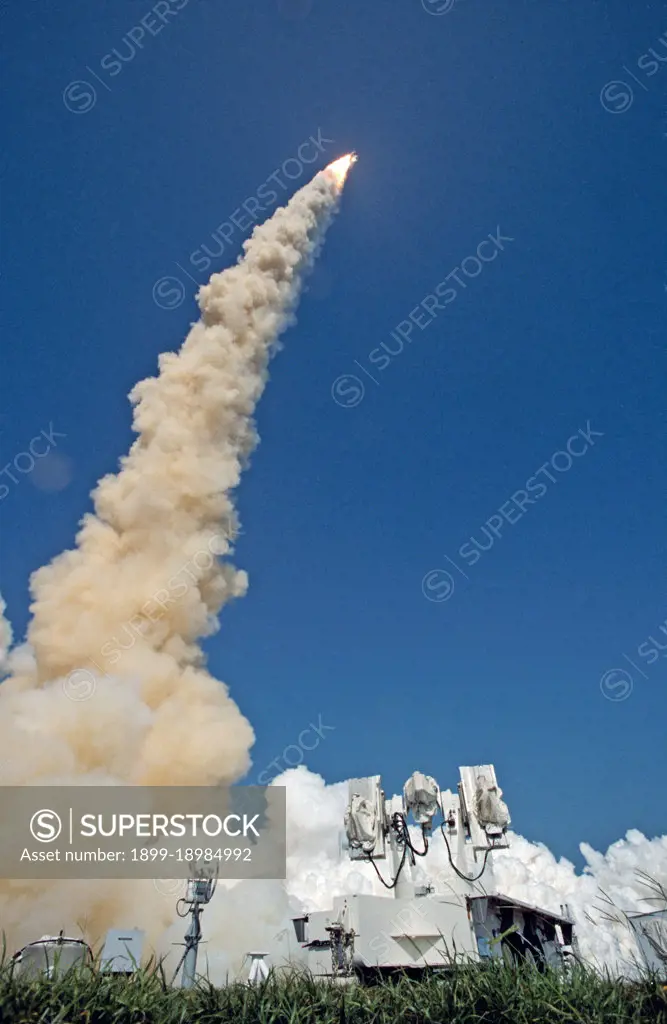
(199,892)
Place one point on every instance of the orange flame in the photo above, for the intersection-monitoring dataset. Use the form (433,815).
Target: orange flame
(339,168)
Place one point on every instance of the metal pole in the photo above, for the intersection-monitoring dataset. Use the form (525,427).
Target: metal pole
(191,945)
(404,888)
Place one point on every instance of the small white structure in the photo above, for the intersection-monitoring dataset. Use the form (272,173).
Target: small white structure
(259,970)
(122,950)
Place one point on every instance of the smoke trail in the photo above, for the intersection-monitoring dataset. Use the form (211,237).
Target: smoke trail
(117,690)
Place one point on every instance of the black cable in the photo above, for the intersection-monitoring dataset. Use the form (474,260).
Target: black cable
(466,878)
(400,826)
(393,884)
(418,853)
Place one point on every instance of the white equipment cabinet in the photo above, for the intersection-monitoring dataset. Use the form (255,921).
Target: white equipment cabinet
(651,934)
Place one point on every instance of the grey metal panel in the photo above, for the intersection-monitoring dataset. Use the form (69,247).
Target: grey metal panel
(651,933)
(122,950)
(509,901)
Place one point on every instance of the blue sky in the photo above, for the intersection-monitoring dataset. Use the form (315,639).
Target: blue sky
(546,123)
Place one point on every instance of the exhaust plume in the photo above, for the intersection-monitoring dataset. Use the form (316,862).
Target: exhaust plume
(117,689)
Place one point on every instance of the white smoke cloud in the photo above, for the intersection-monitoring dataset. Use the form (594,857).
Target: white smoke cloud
(612,884)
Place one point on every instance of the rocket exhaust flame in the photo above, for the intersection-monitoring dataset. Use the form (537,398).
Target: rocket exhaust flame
(340,168)
(118,690)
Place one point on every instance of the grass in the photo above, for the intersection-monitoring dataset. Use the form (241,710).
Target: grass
(484,995)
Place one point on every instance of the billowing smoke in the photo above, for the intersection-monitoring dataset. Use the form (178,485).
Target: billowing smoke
(116,689)
(613,885)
